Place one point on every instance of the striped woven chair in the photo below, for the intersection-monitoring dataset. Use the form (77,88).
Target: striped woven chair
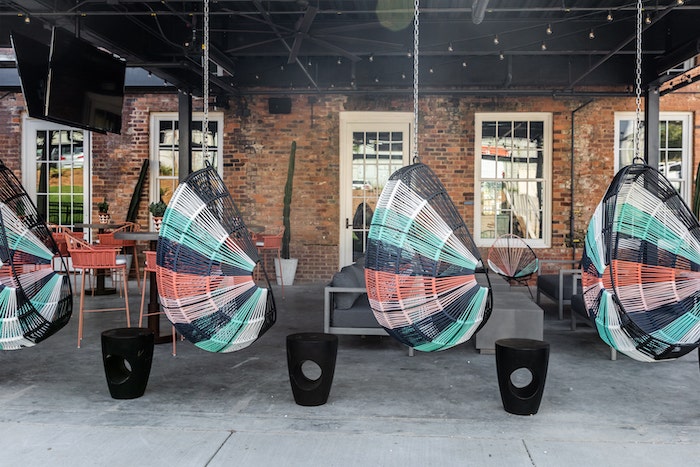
(205,261)
(420,265)
(35,301)
(641,267)
(513,259)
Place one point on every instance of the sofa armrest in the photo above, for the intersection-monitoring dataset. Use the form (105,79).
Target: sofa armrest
(328,303)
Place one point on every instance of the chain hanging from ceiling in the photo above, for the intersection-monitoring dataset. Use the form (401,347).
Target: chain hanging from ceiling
(416,12)
(205,92)
(638,85)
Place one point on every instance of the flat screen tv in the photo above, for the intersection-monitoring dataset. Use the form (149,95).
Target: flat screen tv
(33,67)
(85,86)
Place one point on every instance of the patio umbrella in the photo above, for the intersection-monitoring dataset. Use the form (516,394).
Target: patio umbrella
(35,301)
(420,264)
(641,267)
(205,261)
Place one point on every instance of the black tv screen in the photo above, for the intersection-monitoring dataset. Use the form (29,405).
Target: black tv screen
(85,85)
(33,67)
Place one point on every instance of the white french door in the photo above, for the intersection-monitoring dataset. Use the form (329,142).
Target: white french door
(373,145)
(56,171)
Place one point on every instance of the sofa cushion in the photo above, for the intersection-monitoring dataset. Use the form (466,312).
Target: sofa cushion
(346,277)
(358,316)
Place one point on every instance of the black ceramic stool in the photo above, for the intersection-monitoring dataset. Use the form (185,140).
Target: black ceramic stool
(316,347)
(512,355)
(127,354)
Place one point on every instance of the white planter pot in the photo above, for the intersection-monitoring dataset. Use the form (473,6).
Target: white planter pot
(287,271)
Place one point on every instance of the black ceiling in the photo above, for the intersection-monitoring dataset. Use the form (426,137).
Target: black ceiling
(348,45)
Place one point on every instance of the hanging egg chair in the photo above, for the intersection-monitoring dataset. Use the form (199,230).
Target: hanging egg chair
(205,261)
(420,265)
(35,301)
(512,258)
(641,267)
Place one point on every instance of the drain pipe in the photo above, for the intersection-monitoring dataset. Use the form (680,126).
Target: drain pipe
(573,188)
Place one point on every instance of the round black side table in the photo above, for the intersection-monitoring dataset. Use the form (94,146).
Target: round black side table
(512,355)
(320,349)
(127,354)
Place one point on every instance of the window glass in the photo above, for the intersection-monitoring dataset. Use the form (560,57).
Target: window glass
(511,171)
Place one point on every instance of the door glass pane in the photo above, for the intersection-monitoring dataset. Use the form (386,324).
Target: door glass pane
(59,165)
(375,156)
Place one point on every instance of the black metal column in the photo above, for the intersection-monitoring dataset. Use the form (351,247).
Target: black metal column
(185,139)
(651,126)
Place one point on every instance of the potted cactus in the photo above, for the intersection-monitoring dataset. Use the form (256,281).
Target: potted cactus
(103,211)
(157,210)
(287,265)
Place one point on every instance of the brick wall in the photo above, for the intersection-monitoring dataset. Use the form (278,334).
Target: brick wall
(256,152)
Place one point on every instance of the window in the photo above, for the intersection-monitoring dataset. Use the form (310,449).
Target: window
(674,147)
(513,176)
(165,150)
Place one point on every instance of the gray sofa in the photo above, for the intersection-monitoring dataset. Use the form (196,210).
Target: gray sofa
(346,307)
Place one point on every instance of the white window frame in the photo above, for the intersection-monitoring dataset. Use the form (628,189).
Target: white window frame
(686,119)
(544,117)
(156,118)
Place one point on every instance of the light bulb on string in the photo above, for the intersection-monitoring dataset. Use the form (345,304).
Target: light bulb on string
(609,18)
(450,48)
(647,19)
(495,39)
(591,35)
(501,56)
(549,30)
(543,46)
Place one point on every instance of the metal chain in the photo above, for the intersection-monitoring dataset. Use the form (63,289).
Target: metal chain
(638,85)
(205,71)
(416,12)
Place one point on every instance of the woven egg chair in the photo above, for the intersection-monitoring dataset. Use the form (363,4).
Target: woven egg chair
(205,261)
(420,265)
(512,258)
(641,267)
(35,301)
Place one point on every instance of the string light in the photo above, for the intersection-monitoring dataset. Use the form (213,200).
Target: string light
(27,20)
(543,46)
(501,56)
(464,64)
(591,35)
(610,16)
(450,48)
(339,61)
(549,30)
(431,71)
(371,57)
(647,19)
(495,39)
(680,2)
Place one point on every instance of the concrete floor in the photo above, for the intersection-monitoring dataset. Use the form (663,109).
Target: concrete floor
(385,408)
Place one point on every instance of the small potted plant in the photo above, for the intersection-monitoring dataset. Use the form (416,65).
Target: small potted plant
(157,210)
(103,211)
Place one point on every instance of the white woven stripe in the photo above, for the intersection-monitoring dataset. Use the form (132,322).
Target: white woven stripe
(190,308)
(189,205)
(620,340)
(11,334)
(636,195)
